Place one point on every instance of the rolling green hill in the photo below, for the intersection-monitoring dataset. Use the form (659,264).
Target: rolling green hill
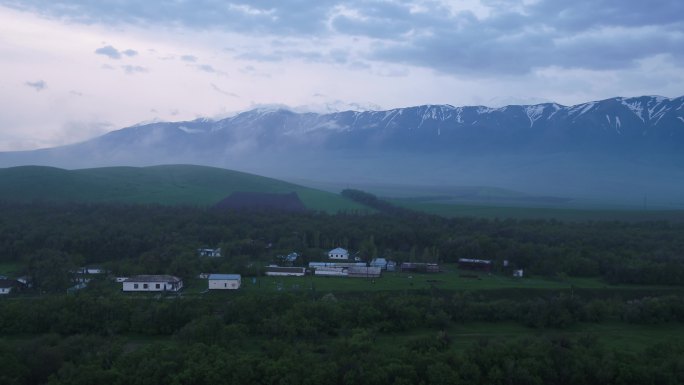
(169,184)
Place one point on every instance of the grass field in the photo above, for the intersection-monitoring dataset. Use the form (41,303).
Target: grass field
(173,184)
(448,280)
(561,214)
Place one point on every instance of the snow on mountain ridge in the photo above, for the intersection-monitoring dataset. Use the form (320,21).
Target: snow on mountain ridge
(635,107)
(534,113)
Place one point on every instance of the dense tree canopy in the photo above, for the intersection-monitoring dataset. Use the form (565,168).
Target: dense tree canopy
(164,239)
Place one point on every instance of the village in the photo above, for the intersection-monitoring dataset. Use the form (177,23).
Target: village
(340,263)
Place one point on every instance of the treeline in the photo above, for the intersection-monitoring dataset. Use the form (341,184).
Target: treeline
(372,338)
(303,317)
(138,239)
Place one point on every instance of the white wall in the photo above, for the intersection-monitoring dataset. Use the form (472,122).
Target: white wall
(283,274)
(150,286)
(224,284)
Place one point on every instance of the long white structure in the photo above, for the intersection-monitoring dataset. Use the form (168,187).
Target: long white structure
(224,281)
(153,283)
(277,271)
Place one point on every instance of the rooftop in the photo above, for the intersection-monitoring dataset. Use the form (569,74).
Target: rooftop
(153,278)
(225,276)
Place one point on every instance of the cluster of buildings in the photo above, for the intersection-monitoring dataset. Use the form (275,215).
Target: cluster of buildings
(340,264)
(170,283)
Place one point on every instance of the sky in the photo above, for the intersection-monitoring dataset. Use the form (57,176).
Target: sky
(73,70)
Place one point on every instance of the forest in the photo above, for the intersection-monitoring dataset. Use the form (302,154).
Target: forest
(422,336)
(50,239)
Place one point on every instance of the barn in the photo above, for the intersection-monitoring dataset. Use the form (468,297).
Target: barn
(153,283)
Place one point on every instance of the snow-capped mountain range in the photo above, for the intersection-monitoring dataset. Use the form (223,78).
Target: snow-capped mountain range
(622,143)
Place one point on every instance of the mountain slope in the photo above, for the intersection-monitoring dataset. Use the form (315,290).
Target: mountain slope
(174,184)
(618,149)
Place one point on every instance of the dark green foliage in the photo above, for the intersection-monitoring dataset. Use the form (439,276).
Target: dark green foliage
(374,338)
(103,336)
(164,239)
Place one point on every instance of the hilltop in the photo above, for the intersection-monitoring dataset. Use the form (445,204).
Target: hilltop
(169,184)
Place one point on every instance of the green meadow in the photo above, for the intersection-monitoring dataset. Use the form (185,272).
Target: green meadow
(166,185)
(494,211)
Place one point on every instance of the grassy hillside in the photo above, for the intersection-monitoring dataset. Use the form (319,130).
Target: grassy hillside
(172,184)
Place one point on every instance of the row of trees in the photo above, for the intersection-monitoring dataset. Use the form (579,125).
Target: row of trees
(376,338)
(303,317)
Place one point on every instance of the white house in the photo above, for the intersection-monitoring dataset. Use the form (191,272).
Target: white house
(224,281)
(338,253)
(153,283)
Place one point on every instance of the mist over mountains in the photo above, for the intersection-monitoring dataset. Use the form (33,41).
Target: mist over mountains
(620,150)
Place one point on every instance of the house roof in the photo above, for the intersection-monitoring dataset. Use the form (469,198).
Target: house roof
(231,277)
(338,250)
(153,278)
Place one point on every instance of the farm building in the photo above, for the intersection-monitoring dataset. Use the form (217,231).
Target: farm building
(315,265)
(419,267)
(475,264)
(364,272)
(214,253)
(8,285)
(338,253)
(153,283)
(331,271)
(224,281)
(275,271)
(379,262)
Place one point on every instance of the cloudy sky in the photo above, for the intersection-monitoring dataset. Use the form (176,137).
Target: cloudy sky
(71,70)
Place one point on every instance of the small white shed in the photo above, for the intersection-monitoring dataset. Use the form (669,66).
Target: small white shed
(224,281)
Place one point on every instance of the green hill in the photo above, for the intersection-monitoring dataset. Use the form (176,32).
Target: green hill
(171,184)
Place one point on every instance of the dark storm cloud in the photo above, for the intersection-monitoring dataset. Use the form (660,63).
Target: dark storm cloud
(299,17)
(594,35)
(512,39)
